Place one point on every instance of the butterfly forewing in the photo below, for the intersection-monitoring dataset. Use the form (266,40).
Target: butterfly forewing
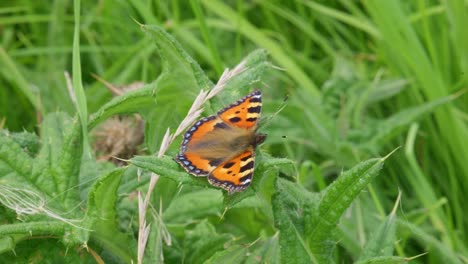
(244,113)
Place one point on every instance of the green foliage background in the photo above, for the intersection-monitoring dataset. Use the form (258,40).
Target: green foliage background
(363,78)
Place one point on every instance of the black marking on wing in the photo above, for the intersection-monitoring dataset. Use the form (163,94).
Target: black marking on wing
(235,119)
(228,165)
(254,109)
(247,166)
(246,158)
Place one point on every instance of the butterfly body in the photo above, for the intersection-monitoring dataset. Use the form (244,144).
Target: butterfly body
(222,146)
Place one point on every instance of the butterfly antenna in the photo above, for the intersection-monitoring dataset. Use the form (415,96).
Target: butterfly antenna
(265,122)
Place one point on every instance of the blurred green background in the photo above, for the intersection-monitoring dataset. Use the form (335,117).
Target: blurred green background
(363,78)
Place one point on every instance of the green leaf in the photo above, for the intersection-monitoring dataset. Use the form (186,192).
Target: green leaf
(177,63)
(291,205)
(335,200)
(381,243)
(14,158)
(200,204)
(55,170)
(181,78)
(203,242)
(7,243)
(68,165)
(268,252)
(232,255)
(134,101)
(29,142)
(57,167)
(167,167)
(101,216)
(286,166)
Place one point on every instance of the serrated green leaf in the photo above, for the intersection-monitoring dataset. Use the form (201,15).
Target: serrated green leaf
(335,199)
(56,167)
(101,216)
(177,63)
(167,167)
(291,204)
(381,242)
(133,101)
(68,166)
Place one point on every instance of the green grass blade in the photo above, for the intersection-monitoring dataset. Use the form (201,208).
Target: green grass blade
(257,36)
(11,72)
(76,79)
(218,65)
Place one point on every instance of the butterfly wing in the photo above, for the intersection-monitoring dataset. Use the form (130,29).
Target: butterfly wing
(194,162)
(236,174)
(222,147)
(245,112)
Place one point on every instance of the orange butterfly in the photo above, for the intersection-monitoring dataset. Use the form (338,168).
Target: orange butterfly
(222,146)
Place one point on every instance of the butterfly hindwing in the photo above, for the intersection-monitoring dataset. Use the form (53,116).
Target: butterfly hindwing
(236,174)
(245,112)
